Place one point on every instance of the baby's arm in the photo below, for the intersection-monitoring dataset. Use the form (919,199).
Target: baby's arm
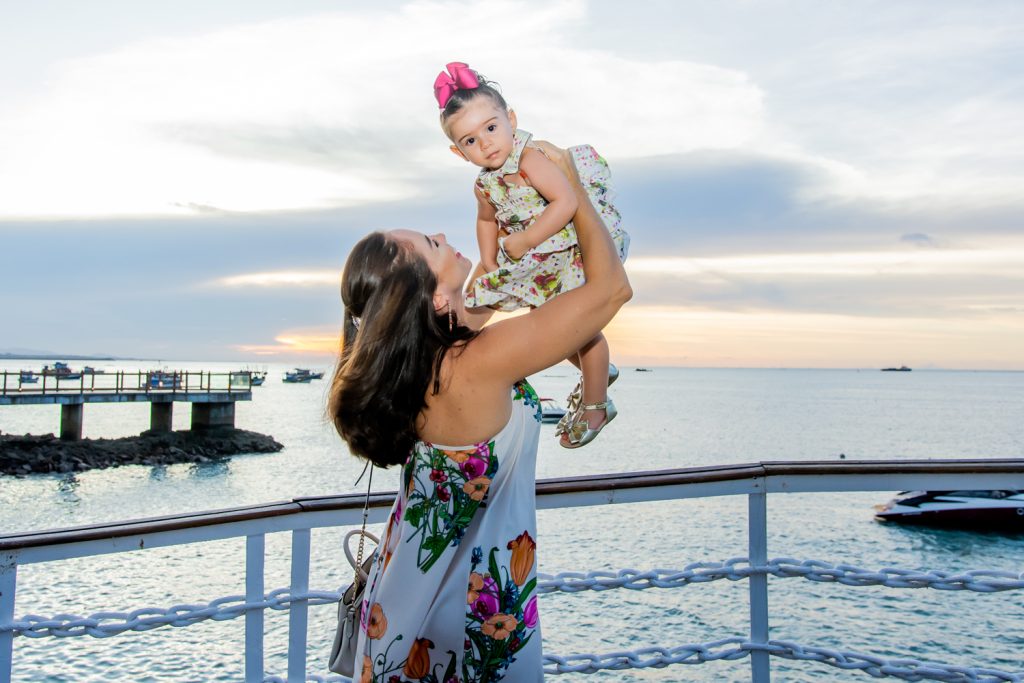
(486,232)
(552,184)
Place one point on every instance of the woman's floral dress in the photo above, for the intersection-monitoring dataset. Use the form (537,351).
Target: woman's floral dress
(555,265)
(452,595)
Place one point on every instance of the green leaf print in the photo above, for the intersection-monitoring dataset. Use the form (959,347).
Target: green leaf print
(445,489)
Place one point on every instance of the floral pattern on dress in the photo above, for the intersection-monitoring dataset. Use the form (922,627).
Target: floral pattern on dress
(522,391)
(555,265)
(452,596)
(501,610)
(438,512)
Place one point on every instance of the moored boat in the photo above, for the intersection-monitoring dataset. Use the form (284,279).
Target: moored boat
(300,376)
(60,371)
(27,377)
(162,379)
(959,509)
(550,410)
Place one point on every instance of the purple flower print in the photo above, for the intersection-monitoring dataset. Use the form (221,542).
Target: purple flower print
(437,476)
(530,613)
(473,467)
(486,604)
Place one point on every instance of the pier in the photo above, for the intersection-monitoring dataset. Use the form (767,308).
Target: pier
(212,395)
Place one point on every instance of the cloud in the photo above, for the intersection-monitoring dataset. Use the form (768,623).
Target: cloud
(715,201)
(671,335)
(292,113)
(919,239)
(312,342)
(290,278)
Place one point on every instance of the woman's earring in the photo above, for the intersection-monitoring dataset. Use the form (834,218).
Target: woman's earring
(450,325)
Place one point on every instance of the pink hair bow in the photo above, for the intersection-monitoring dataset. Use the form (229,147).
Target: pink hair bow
(461,78)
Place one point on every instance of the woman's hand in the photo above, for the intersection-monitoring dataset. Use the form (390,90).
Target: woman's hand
(561,158)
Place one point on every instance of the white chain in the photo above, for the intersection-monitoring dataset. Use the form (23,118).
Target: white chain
(738,648)
(730,649)
(737,568)
(104,624)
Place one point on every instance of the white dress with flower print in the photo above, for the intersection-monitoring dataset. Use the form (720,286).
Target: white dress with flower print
(452,596)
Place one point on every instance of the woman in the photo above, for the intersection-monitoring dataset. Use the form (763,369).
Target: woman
(452,596)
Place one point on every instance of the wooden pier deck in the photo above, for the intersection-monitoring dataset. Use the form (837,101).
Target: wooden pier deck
(212,395)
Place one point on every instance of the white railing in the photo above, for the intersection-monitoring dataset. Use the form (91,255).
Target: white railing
(755,481)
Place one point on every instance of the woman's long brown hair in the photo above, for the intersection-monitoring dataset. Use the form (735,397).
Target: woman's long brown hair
(394,342)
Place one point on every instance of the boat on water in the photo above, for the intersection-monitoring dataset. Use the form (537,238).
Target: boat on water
(27,377)
(956,509)
(643,369)
(902,368)
(162,379)
(60,371)
(301,376)
(551,411)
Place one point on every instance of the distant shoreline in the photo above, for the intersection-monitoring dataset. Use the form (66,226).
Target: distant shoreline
(55,357)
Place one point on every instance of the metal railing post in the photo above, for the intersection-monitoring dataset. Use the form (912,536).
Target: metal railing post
(757,535)
(8,583)
(298,612)
(254,561)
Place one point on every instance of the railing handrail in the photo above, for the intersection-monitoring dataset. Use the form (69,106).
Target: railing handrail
(179,382)
(760,475)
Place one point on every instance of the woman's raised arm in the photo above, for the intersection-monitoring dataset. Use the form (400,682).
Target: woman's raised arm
(521,346)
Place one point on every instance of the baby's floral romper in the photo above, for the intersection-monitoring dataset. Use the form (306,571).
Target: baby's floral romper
(555,265)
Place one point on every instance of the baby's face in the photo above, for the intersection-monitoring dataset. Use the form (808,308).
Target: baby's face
(482,132)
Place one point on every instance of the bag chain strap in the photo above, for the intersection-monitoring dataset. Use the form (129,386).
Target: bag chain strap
(362,532)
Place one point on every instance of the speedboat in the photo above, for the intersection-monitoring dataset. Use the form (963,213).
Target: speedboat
(550,410)
(975,509)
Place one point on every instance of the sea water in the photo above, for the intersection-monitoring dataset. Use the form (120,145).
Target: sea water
(667,418)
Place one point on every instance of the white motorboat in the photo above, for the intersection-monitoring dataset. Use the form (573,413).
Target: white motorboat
(974,509)
(550,410)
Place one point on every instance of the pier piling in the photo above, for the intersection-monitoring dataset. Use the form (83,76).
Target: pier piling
(71,422)
(161,414)
(207,416)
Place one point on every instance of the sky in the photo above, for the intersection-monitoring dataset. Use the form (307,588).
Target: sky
(807,183)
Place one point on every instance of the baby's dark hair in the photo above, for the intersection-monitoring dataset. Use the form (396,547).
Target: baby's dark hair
(462,96)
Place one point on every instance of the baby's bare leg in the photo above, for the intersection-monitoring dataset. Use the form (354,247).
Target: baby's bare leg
(594,366)
(592,360)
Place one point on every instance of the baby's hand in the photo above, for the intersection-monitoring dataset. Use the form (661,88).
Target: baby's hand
(516,245)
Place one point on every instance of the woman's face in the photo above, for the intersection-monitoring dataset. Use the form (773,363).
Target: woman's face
(449,266)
